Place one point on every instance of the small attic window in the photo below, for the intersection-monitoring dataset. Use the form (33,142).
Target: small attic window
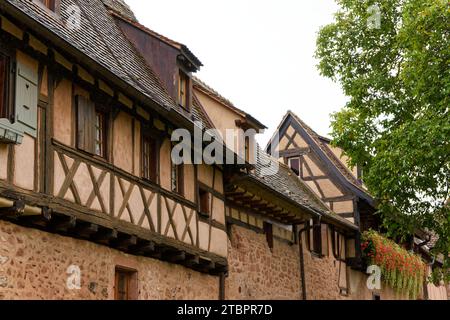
(50,4)
(183,90)
(294,164)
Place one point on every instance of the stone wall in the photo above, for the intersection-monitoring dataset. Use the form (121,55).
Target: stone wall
(258,273)
(34,265)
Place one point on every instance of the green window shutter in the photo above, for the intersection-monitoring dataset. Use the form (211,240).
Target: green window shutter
(85,124)
(26,98)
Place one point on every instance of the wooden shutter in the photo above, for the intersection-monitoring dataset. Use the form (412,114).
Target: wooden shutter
(27,97)
(3,87)
(268,230)
(317,238)
(85,124)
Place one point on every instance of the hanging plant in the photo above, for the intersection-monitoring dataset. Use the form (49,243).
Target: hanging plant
(400,269)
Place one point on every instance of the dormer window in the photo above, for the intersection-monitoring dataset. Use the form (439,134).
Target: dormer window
(51,4)
(183,90)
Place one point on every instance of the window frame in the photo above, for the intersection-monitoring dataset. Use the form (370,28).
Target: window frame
(8,110)
(131,283)
(203,192)
(86,127)
(104,133)
(184,82)
(315,238)
(179,179)
(147,173)
(299,165)
(247,148)
(51,5)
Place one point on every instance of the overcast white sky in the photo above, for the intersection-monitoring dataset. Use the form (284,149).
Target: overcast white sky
(256,53)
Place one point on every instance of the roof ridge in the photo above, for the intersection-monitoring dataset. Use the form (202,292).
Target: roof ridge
(207,87)
(121,7)
(315,137)
(146,29)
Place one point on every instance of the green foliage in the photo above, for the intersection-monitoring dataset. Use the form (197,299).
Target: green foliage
(397,122)
(402,270)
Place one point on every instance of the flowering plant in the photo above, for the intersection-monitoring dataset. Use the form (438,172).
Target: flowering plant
(402,270)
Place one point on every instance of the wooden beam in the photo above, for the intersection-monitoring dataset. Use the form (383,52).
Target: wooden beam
(41,220)
(105,236)
(143,247)
(206,265)
(63,223)
(15,211)
(124,242)
(174,256)
(243,198)
(85,230)
(235,194)
(192,261)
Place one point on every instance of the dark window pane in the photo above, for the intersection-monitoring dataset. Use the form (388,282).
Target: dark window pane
(149,159)
(3,86)
(294,164)
(204,202)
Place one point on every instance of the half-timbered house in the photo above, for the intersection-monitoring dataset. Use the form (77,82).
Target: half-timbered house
(92,205)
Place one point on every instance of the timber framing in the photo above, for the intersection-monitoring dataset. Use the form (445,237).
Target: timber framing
(333,171)
(57,216)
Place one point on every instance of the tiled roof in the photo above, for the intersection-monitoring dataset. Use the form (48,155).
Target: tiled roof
(121,8)
(202,86)
(200,114)
(100,39)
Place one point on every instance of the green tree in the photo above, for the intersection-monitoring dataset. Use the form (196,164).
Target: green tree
(392,59)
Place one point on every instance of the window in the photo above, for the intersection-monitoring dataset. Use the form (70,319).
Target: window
(100,134)
(149,159)
(183,90)
(5,86)
(51,4)
(315,237)
(204,202)
(294,164)
(247,148)
(125,284)
(268,230)
(176,174)
(92,127)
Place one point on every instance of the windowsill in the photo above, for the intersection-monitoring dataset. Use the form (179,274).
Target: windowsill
(9,134)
